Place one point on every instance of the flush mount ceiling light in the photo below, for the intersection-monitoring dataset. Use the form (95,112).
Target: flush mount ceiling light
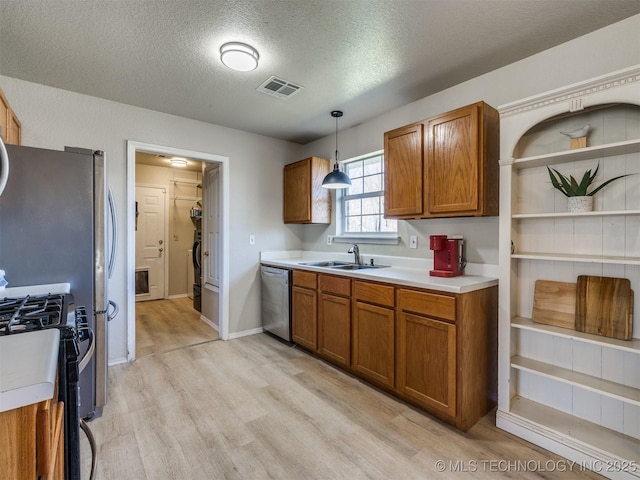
(178,162)
(239,56)
(336,179)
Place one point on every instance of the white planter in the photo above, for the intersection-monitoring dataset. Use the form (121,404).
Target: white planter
(580,204)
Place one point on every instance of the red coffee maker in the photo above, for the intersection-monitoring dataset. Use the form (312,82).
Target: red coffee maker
(448,260)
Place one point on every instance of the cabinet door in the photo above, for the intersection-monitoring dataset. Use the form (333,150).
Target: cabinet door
(373,342)
(304,325)
(334,328)
(305,201)
(14,129)
(403,162)
(297,192)
(453,162)
(18,440)
(427,361)
(4,117)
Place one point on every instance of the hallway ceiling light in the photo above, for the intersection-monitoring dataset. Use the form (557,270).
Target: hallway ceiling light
(239,56)
(178,162)
(336,179)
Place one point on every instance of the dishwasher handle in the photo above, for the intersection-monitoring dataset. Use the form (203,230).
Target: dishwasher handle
(276,272)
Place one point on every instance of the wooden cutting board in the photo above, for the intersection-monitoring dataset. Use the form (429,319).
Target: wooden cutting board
(604,306)
(554,303)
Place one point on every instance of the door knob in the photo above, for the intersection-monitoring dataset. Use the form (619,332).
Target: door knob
(206,254)
(160,242)
(161,249)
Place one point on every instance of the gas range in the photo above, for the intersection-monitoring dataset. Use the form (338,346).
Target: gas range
(25,314)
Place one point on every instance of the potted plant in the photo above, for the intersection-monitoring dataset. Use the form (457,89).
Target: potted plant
(579,199)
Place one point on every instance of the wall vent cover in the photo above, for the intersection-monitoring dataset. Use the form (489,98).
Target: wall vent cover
(277,87)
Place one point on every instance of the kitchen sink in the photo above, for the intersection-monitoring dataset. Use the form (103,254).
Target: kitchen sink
(353,266)
(341,265)
(328,263)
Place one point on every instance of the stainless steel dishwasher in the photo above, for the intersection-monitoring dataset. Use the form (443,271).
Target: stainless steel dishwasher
(276,303)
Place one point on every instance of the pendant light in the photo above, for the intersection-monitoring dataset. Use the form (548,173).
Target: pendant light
(336,179)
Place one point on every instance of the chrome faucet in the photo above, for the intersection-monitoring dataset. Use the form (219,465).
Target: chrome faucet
(356,253)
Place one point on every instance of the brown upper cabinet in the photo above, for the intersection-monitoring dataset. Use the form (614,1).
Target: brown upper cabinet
(305,201)
(444,166)
(10,126)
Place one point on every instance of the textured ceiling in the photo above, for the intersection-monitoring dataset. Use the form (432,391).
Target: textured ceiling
(364,57)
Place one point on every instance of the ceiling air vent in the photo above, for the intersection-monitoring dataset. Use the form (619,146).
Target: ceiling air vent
(280,88)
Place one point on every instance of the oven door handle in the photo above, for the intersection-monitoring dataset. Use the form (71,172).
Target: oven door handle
(89,353)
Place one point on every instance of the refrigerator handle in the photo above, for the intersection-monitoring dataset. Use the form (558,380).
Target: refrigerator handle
(114,233)
(116,309)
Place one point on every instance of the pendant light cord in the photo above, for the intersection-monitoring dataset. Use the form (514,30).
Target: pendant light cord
(337,140)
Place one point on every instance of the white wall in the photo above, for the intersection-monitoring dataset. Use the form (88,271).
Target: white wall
(611,48)
(53,118)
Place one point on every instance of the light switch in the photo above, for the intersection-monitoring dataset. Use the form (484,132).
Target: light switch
(252,239)
(413,241)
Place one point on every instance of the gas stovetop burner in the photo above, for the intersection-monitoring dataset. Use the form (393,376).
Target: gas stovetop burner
(31,313)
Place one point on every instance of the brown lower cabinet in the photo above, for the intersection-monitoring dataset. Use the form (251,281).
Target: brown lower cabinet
(374,332)
(304,310)
(32,439)
(334,319)
(435,350)
(426,363)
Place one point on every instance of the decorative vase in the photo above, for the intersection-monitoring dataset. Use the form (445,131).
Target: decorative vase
(580,204)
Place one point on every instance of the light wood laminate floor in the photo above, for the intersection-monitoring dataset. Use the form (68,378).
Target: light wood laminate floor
(254,408)
(164,325)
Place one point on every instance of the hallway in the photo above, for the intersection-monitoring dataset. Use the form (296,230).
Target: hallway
(165,325)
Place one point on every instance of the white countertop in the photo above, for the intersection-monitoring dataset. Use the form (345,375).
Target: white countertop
(17,292)
(410,272)
(28,366)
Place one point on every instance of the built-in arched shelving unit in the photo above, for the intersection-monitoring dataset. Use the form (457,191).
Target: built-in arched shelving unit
(571,392)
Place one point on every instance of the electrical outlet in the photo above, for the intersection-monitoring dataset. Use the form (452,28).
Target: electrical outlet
(329,239)
(176,238)
(413,241)
(252,239)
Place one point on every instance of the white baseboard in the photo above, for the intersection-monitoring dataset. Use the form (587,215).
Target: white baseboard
(213,325)
(246,333)
(117,361)
(173,297)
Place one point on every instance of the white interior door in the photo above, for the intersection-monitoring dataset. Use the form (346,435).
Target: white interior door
(211,241)
(150,243)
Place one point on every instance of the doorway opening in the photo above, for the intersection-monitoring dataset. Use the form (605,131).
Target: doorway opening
(163,222)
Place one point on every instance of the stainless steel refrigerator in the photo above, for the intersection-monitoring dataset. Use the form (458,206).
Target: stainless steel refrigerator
(54,221)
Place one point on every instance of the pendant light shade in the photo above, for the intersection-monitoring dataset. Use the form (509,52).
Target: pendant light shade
(336,179)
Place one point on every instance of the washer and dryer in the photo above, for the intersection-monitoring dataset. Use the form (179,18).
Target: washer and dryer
(196,257)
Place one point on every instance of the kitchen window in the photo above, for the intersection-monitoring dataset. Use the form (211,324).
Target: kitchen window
(361,206)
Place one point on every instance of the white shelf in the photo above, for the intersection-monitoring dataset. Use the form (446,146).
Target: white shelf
(576,257)
(611,213)
(567,428)
(186,197)
(594,384)
(598,151)
(632,346)
(188,181)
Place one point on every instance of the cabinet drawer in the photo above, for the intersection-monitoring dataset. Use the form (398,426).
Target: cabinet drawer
(304,279)
(431,304)
(333,284)
(373,293)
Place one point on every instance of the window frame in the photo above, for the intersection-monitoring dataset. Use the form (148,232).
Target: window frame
(390,238)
